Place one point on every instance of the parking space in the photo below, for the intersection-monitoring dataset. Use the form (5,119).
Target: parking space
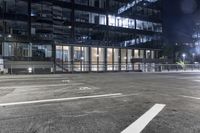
(100,103)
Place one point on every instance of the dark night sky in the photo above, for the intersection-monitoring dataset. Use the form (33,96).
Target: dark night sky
(179,16)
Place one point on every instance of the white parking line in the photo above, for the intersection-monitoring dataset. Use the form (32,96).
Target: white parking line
(197,98)
(144,120)
(58,100)
(44,85)
(27,79)
(196,80)
(85,88)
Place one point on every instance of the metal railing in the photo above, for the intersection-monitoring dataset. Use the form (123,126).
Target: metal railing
(50,68)
(170,68)
(26,68)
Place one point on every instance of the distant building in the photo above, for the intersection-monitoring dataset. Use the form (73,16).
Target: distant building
(80,35)
(196,37)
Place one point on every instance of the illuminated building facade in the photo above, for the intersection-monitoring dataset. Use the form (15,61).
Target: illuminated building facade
(80,35)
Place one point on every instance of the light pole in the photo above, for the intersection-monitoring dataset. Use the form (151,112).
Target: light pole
(183,55)
(193,57)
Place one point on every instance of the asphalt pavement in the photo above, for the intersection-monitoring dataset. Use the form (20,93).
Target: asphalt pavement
(100,103)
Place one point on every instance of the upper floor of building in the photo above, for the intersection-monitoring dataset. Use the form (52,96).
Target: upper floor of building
(113,21)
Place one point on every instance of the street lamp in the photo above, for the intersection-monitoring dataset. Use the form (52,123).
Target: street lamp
(184,55)
(193,55)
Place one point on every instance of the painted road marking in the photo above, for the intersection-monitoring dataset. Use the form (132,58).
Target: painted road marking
(66,81)
(44,85)
(59,100)
(197,98)
(196,80)
(144,120)
(26,79)
(85,88)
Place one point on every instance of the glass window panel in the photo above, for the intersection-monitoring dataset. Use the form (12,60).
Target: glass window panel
(111,20)
(116,59)
(137,66)
(85,58)
(42,51)
(123,59)
(109,59)
(152,54)
(94,18)
(63,58)
(17,49)
(141,53)
(67,58)
(8,48)
(119,22)
(59,57)
(101,59)
(125,22)
(123,56)
(66,54)
(129,59)
(148,54)
(23,50)
(94,56)
(82,2)
(136,53)
(102,19)
(139,25)
(131,23)
(82,16)
(77,58)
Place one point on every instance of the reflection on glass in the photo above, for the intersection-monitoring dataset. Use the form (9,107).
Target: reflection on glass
(137,66)
(152,54)
(136,53)
(148,54)
(123,59)
(63,58)
(141,53)
(77,58)
(81,59)
(94,56)
(116,59)
(85,59)
(101,59)
(66,58)
(59,54)
(129,65)
(109,59)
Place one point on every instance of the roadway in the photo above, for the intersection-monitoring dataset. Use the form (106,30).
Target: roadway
(100,103)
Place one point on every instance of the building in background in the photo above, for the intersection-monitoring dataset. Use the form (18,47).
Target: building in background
(80,35)
(196,45)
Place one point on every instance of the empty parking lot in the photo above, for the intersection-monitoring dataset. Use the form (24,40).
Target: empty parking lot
(99,103)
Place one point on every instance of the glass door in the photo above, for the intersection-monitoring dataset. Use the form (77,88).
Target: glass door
(63,59)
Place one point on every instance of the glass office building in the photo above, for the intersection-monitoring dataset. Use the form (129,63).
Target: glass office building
(80,35)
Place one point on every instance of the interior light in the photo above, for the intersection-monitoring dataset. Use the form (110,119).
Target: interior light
(30,70)
(9,36)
